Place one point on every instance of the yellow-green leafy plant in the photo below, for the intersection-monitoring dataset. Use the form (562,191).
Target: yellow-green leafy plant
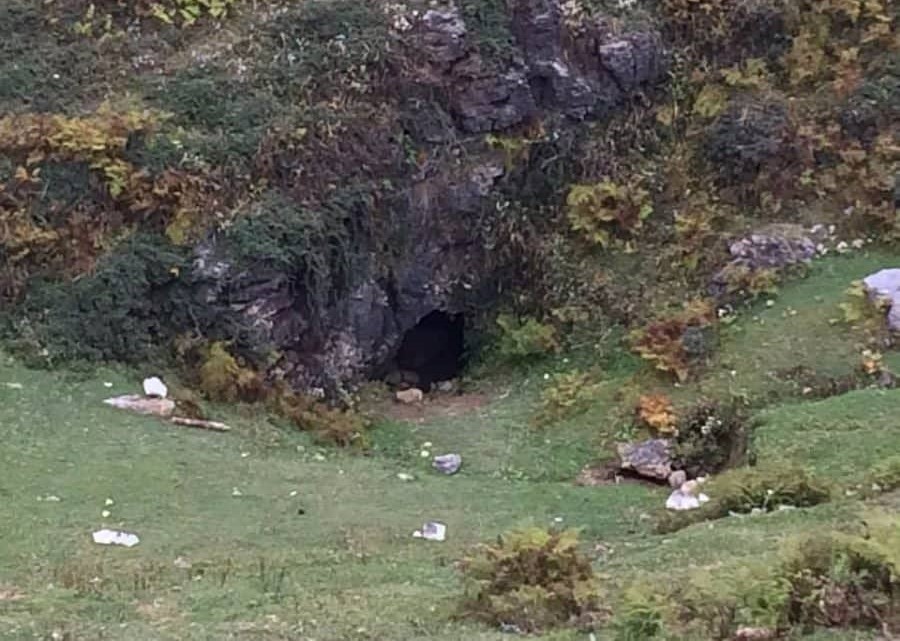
(523,339)
(187,12)
(711,100)
(44,229)
(884,476)
(344,427)
(828,36)
(516,149)
(597,211)
(696,225)
(663,341)
(105,17)
(862,311)
(567,395)
(752,73)
(531,579)
(224,378)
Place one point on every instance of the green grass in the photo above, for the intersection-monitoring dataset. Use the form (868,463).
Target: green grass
(347,567)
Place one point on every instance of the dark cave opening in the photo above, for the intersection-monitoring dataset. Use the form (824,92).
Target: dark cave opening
(430,352)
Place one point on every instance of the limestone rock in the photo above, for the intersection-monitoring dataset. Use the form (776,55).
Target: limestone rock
(410,396)
(162,407)
(447,463)
(755,634)
(651,458)
(774,247)
(677,479)
(885,285)
(442,35)
(680,501)
(154,387)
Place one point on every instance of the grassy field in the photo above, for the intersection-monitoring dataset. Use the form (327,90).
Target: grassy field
(277,539)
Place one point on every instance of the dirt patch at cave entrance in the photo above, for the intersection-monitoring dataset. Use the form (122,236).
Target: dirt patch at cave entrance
(436,405)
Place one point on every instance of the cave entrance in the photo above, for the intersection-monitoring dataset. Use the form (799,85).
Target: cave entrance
(430,352)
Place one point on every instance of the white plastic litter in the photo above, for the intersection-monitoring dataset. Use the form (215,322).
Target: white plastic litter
(432,531)
(116,537)
(680,500)
(154,387)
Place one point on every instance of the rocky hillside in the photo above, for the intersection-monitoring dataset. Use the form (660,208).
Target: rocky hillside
(303,182)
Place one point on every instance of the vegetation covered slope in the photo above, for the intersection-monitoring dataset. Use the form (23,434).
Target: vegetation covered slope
(208,185)
(260,534)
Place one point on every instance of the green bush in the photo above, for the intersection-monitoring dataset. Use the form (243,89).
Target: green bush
(640,616)
(568,395)
(712,437)
(533,580)
(133,303)
(841,580)
(884,475)
(525,339)
(746,489)
(314,246)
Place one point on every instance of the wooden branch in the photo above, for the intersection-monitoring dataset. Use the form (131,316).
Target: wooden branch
(196,422)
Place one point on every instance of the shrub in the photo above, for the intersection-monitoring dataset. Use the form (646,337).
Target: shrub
(861,311)
(223,378)
(712,437)
(71,189)
(525,339)
(531,579)
(656,412)
(99,17)
(595,211)
(884,476)
(748,137)
(344,427)
(640,616)
(568,395)
(841,580)
(713,604)
(724,28)
(743,490)
(676,343)
(127,310)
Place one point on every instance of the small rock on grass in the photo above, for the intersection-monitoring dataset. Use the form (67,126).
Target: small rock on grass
(432,531)
(447,463)
(677,479)
(410,396)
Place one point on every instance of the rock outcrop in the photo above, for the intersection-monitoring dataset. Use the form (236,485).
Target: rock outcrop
(581,73)
(451,94)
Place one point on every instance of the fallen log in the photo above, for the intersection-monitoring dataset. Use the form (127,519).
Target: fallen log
(200,423)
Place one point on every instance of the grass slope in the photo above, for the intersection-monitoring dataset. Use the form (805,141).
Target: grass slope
(347,567)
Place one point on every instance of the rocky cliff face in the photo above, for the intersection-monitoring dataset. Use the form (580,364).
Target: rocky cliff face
(438,262)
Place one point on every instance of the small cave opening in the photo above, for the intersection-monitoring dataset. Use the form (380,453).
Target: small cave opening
(431,352)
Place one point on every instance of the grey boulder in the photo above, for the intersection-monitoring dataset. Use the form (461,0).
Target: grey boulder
(651,459)
(447,463)
(885,285)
